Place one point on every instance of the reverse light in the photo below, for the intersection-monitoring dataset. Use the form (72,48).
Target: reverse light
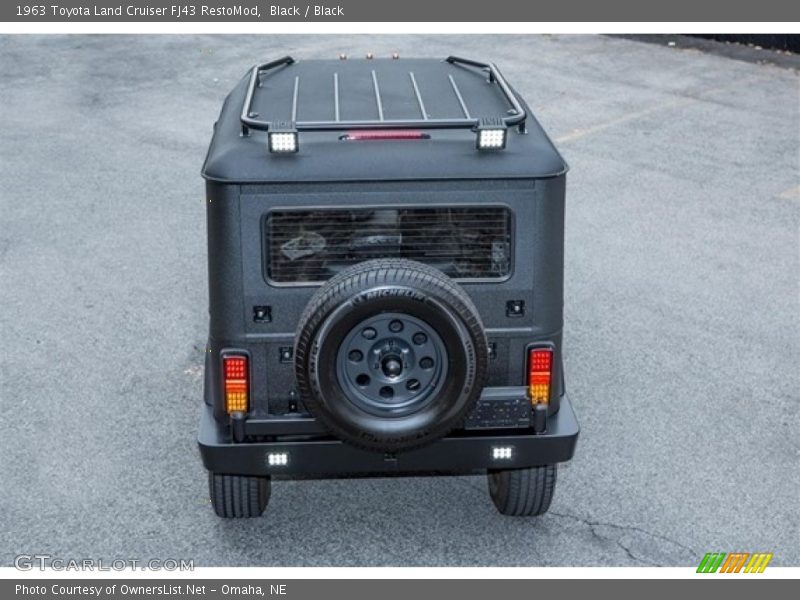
(502,452)
(540,366)
(236,383)
(282,138)
(278,459)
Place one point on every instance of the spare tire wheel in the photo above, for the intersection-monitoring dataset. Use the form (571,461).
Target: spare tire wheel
(390,355)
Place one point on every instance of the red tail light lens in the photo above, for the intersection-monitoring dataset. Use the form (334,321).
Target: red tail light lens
(235,374)
(396,134)
(540,368)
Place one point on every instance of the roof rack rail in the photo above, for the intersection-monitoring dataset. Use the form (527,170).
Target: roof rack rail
(515,117)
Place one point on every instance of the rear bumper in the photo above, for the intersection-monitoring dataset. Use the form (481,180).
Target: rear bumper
(327,456)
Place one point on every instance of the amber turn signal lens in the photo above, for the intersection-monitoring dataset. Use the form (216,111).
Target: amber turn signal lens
(235,374)
(540,365)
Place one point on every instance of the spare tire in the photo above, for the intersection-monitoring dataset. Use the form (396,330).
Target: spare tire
(390,355)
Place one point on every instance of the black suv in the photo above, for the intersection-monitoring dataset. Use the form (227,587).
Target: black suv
(385,261)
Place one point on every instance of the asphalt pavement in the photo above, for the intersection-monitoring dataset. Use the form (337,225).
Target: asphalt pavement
(682,311)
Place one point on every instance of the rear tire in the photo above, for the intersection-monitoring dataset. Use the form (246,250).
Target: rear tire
(238,496)
(523,492)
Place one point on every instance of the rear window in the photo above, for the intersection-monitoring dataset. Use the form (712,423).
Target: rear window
(311,246)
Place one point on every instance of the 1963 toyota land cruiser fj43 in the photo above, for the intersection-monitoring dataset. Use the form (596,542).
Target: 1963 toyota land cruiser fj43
(385,260)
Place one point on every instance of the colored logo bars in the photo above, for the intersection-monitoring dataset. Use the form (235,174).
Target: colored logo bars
(735,562)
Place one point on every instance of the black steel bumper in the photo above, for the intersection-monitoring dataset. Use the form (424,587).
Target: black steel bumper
(458,453)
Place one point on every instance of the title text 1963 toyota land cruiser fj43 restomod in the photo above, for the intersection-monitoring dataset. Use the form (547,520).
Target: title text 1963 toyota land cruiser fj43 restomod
(385,260)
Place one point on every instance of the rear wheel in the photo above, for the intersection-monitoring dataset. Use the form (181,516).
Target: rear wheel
(238,496)
(523,492)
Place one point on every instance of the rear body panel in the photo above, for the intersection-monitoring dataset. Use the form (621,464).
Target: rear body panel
(257,316)
(238,284)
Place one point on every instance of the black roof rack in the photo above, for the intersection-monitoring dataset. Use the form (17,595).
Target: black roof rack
(515,116)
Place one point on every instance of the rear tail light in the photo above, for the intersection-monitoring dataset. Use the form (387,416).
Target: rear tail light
(237,392)
(540,366)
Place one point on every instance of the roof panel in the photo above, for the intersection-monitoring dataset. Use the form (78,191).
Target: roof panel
(369,89)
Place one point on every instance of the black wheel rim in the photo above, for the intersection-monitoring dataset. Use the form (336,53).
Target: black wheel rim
(391,364)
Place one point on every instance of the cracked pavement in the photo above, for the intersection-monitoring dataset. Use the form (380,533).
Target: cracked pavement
(681,315)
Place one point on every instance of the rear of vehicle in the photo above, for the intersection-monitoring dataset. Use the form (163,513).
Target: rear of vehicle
(385,271)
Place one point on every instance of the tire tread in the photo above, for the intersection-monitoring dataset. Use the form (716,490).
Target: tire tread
(238,496)
(523,492)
